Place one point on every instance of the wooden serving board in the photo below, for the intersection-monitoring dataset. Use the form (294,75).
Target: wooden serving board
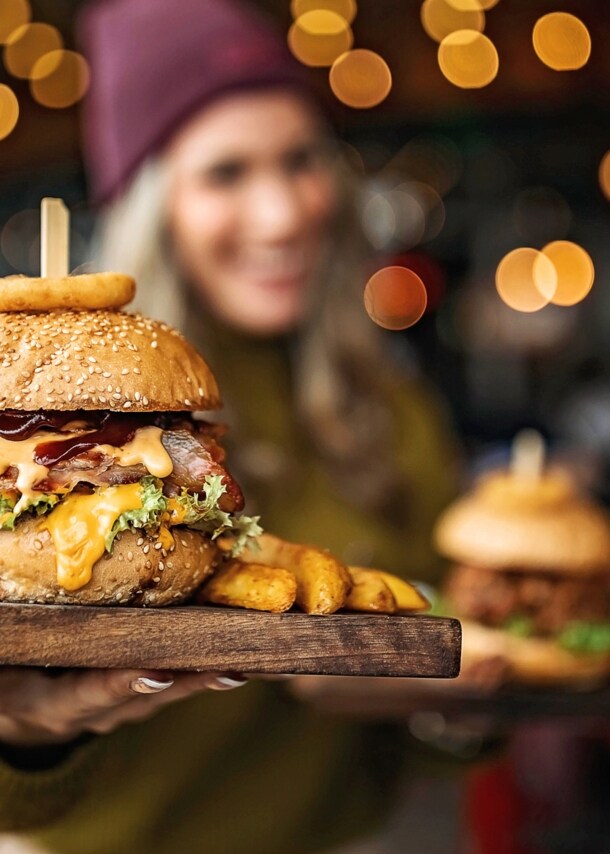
(221,639)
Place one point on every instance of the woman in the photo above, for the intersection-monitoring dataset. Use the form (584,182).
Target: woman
(227,201)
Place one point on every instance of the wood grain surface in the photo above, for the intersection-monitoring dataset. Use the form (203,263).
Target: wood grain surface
(208,638)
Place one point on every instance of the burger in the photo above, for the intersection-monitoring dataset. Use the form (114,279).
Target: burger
(112,491)
(530,578)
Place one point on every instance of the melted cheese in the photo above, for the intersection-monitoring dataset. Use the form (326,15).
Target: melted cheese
(79,525)
(146,448)
(21,455)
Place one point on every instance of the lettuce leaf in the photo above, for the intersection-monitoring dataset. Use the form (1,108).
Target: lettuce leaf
(148,516)
(580,636)
(39,506)
(204,514)
(200,512)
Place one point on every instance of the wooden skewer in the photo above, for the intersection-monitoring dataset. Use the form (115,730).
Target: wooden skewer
(54,238)
(528,454)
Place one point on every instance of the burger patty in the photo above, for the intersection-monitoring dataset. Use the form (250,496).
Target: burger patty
(194,454)
(550,600)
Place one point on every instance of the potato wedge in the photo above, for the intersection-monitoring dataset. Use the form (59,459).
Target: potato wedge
(250,585)
(323,581)
(408,597)
(369,592)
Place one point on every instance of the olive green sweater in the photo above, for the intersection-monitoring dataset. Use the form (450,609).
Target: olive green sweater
(252,771)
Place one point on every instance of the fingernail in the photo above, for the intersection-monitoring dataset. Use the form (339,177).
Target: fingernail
(144,685)
(225,683)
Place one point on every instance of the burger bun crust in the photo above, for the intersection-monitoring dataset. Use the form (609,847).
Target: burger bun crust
(68,360)
(537,662)
(131,574)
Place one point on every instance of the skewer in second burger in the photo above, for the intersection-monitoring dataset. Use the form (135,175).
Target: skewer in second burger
(531,577)
(111,492)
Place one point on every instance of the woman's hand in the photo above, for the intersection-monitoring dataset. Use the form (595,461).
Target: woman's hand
(39,708)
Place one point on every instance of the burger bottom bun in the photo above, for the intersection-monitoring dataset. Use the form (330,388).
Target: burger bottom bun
(131,574)
(532,661)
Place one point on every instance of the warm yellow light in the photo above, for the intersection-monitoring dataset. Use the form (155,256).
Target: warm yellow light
(468,59)
(395,298)
(473,5)
(346,8)
(604,175)
(26,45)
(317,38)
(526,279)
(574,269)
(439,19)
(60,79)
(9,110)
(562,41)
(360,78)
(13,14)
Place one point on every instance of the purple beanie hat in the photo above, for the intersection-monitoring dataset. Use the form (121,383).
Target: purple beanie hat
(155,62)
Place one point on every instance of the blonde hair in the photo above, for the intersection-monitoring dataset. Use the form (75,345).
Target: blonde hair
(340,375)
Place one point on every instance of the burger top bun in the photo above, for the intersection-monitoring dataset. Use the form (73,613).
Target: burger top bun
(512,521)
(69,360)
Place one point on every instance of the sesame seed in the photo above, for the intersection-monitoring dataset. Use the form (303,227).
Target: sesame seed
(129,555)
(157,579)
(37,544)
(158,546)
(139,541)
(146,549)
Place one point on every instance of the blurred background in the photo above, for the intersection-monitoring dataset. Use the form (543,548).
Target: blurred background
(468,152)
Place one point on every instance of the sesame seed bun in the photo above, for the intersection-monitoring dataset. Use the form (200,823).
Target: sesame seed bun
(137,571)
(512,522)
(65,360)
(532,660)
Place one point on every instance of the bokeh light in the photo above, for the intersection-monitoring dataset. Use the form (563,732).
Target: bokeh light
(468,59)
(439,18)
(432,159)
(9,110)
(318,37)
(378,220)
(431,204)
(526,279)
(395,298)
(360,79)
(562,41)
(604,175)
(13,14)
(473,5)
(27,44)
(17,238)
(574,269)
(541,214)
(60,79)
(346,8)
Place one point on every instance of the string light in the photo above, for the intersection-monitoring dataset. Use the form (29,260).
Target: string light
(574,270)
(562,41)
(13,14)
(318,37)
(439,19)
(360,79)
(345,8)
(27,44)
(395,298)
(526,279)
(468,59)
(9,110)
